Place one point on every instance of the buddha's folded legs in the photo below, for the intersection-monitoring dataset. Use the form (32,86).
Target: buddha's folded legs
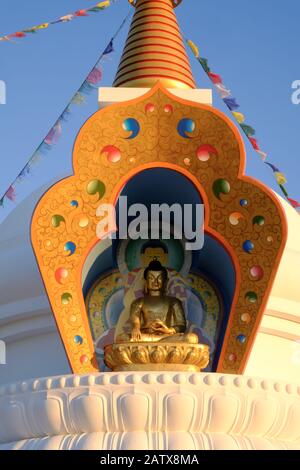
(191,338)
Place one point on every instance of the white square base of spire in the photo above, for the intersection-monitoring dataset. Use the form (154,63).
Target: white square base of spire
(108,96)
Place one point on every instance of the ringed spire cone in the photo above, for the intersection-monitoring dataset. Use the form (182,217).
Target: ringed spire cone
(154,50)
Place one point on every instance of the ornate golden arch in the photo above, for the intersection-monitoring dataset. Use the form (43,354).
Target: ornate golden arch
(159,130)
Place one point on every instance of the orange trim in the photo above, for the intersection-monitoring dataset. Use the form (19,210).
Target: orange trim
(153,76)
(149,67)
(168,3)
(162,53)
(142,10)
(143,6)
(146,30)
(151,61)
(163,38)
(154,15)
(151,52)
(155,22)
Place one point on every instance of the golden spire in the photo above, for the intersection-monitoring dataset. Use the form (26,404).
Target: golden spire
(154,49)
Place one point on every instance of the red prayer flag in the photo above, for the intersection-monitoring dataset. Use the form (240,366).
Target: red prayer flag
(95,76)
(254,143)
(19,34)
(81,13)
(294,203)
(216,79)
(10,194)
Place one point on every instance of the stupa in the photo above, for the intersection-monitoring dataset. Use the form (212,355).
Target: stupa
(156,139)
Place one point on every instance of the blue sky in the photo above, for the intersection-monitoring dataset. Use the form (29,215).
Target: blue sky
(252,45)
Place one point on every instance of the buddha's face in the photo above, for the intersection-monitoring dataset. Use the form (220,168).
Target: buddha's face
(155,281)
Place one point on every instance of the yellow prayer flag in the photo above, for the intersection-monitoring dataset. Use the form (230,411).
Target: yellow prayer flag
(42,26)
(103,4)
(280,178)
(194,48)
(239,117)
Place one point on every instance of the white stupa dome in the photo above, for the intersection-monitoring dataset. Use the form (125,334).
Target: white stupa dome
(276,351)
(27,326)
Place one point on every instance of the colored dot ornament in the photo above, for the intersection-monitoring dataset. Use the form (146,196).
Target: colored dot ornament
(96,187)
(257,273)
(61,275)
(184,126)
(232,357)
(243,203)
(70,247)
(66,298)
(78,339)
(251,297)
(241,339)
(235,217)
(168,108)
(113,154)
(221,186)
(131,125)
(246,318)
(248,246)
(149,108)
(84,359)
(57,220)
(204,152)
(83,222)
(258,220)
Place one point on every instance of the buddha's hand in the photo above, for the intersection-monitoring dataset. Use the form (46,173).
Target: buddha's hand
(161,327)
(136,334)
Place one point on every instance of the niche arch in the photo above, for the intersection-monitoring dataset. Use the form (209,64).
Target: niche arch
(206,291)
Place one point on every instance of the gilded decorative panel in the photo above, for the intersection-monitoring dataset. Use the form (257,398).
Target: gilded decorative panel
(159,130)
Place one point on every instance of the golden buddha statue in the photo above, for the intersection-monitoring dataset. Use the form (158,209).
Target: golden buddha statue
(156,336)
(156,316)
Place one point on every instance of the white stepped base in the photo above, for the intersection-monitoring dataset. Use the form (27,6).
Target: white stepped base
(158,411)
